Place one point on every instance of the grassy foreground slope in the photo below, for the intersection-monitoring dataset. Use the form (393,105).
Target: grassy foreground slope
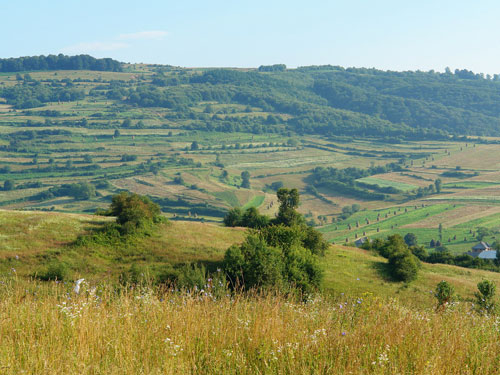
(356,327)
(33,240)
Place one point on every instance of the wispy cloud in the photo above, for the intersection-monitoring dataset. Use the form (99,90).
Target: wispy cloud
(144,35)
(88,47)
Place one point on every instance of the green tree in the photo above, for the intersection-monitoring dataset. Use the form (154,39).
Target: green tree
(195,146)
(8,185)
(287,213)
(245,180)
(438,183)
(252,219)
(233,217)
(444,293)
(484,298)
(411,239)
(403,265)
(134,212)
(254,264)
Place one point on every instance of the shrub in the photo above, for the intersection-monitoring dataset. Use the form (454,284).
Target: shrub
(233,217)
(444,293)
(254,264)
(55,271)
(484,298)
(403,265)
(134,212)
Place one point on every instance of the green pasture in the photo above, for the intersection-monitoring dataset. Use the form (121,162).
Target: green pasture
(469,184)
(463,233)
(256,201)
(387,183)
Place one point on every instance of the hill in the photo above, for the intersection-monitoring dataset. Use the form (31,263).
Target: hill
(71,138)
(32,241)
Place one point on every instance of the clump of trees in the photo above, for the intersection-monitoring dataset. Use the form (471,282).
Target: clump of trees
(134,212)
(136,215)
(250,218)
(403,265)
(282,254)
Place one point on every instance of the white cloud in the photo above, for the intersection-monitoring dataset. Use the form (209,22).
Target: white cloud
(88,47)
(144,35)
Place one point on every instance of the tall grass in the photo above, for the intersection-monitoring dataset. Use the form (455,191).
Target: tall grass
(47,329)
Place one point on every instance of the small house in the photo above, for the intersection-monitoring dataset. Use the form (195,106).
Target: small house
(483,250)
(360,241)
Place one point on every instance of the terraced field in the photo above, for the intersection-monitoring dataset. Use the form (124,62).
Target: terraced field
(387,183)
(195,172)
(459,224)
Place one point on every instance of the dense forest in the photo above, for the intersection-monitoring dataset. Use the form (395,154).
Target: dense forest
(58,62)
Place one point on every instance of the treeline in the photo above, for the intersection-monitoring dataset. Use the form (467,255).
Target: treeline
(59,62)
(34,94)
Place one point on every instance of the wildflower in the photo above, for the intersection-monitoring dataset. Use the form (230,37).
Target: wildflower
(343,333)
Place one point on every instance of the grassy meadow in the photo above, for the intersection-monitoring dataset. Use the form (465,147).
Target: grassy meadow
(362,322)
(49,330)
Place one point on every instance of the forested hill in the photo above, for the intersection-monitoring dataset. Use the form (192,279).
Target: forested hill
(333,100)
(59,62)
(326,100)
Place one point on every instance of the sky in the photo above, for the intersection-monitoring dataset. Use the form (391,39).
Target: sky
(385,34)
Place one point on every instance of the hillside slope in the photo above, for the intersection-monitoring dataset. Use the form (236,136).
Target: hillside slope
(31,241)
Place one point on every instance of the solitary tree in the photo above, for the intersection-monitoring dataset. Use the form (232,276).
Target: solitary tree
(484,298)
(411,239)
(8,185)
(289,201)
(444,293)
(245,180)
(438,183)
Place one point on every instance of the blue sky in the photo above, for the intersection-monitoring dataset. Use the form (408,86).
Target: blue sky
(386,34)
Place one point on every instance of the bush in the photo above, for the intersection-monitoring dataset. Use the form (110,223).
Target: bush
(254,264)
(134,212)
(273,258)
(233,217)
(55,271)
(403,265)
(444,293)
(484,298)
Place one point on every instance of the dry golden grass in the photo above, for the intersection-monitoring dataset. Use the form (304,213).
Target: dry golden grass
(45,330)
